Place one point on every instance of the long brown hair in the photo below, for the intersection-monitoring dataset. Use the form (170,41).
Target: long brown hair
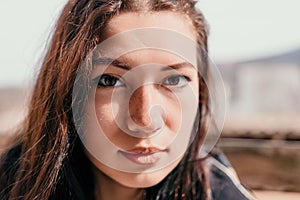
(48,161)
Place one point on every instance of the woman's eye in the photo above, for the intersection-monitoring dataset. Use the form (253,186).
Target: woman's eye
(177,80)
(109,81)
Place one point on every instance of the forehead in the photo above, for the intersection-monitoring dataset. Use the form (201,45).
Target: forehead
(177,22)
(171,34)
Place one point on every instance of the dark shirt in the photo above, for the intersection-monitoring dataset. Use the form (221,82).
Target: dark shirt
(225,184)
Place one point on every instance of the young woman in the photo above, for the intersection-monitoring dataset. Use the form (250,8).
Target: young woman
(120,109)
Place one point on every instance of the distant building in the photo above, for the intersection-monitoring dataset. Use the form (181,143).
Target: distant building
(265,89)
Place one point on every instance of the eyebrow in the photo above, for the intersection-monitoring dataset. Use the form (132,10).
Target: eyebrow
(178,66)
(122,65)
(108,61)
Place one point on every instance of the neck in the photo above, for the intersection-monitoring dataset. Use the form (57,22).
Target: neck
(108,189)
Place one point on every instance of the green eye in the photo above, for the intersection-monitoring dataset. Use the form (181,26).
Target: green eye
(177,81)
(109,81)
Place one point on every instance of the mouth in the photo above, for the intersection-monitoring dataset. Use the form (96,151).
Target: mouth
(144,156)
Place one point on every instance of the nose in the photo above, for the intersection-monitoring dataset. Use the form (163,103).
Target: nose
(146,114)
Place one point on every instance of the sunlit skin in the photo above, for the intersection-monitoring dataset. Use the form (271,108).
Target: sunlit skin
(114,184)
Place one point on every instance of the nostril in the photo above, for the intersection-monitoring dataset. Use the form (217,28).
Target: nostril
(140,105)
(141,132)
(141,118)
(146,116)
(154,127)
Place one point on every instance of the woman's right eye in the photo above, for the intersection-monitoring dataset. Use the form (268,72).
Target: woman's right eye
(109,81)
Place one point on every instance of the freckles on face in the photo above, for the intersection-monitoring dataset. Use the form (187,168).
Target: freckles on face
(145,103)
(149,108)
(145,98)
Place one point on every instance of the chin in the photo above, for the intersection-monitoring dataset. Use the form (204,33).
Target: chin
(132,180)
(143,180)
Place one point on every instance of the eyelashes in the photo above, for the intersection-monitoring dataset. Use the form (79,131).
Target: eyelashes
(176,81)
(107,80)
(111,81)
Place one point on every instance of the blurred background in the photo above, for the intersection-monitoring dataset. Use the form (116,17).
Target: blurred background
(255,44)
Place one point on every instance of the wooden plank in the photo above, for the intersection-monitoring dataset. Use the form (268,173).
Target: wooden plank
(265,164)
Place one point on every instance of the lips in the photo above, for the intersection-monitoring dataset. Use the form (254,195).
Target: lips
(144,156)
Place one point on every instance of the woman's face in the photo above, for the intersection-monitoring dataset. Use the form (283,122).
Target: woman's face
(143,105)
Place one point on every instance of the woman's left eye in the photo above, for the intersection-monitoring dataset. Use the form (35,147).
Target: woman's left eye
(178,81)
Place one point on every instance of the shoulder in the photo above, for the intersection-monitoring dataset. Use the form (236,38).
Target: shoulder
(8,168)
(224,182)
(8,159)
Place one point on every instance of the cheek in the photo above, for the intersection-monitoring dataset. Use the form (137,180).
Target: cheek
(111,117)
(184,117)
(172,112)
(103,110)
(104,113)
(106,117)
(181,107)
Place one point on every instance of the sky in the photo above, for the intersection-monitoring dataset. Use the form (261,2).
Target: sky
(239,30)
